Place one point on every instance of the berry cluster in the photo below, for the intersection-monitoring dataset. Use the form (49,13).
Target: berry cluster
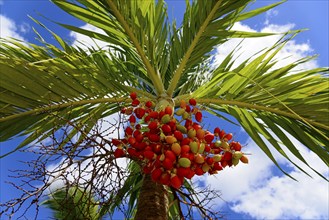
(173,148)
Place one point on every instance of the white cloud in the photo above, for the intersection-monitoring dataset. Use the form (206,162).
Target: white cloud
(84,41)
(292,51)
(9,28)
(256,189)
(24,27)
(269,14)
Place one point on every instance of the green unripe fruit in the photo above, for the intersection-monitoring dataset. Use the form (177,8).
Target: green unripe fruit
(235,161)
(185,115)
(225,145)
(184,162)
(180,112)
(191,133)
(202,147)
(181,128)
(165,119)
(194,147)
(237,154)
(205,167)
(217,143)
(217,157)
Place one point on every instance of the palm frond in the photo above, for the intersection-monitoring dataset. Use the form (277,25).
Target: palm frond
(44,82)
(206,24)
(139,28)
(72,203)
(270,102)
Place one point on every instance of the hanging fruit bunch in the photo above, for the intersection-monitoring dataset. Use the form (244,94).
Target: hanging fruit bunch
(173,148)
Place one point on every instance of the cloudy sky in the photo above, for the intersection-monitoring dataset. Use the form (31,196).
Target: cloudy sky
(254,191)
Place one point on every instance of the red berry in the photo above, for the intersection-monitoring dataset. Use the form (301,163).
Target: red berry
(224,163)
(198,116)
(170,155)
(154,137)
(161,114)
(190,174)
(116,142)
(148,154)
(227,156)
(178,135)
(210,161)
(196,126)
(135,102)
(154,114)
(185,149)
(217,166)
(165,178)
(147,119)
(166,128)
(128,131)
(216,131)
(119,153)
(139,112)
(192,102)
(236,146)
(198,171)
(153,125)
(209,137)
(188,123)
(132,152)
(132,119)
(156,148)
(133,95)
(139,138)
(176,182)
(182,171)
(185,141)
(169,110)
(156,174)
(136,133)
(167,164)
(221,134)
(131,140)
(228,136)
(149,104)
(140,146)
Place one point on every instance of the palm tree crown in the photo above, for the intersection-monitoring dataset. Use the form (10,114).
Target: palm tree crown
(153,57)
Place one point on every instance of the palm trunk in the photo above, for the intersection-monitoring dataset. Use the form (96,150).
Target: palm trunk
(153,201)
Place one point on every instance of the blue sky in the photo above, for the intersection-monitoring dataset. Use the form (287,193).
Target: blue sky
(256,191)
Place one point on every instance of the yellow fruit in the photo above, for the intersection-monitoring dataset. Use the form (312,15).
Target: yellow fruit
(199,159)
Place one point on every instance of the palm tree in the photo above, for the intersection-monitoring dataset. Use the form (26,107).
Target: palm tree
(151,56)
